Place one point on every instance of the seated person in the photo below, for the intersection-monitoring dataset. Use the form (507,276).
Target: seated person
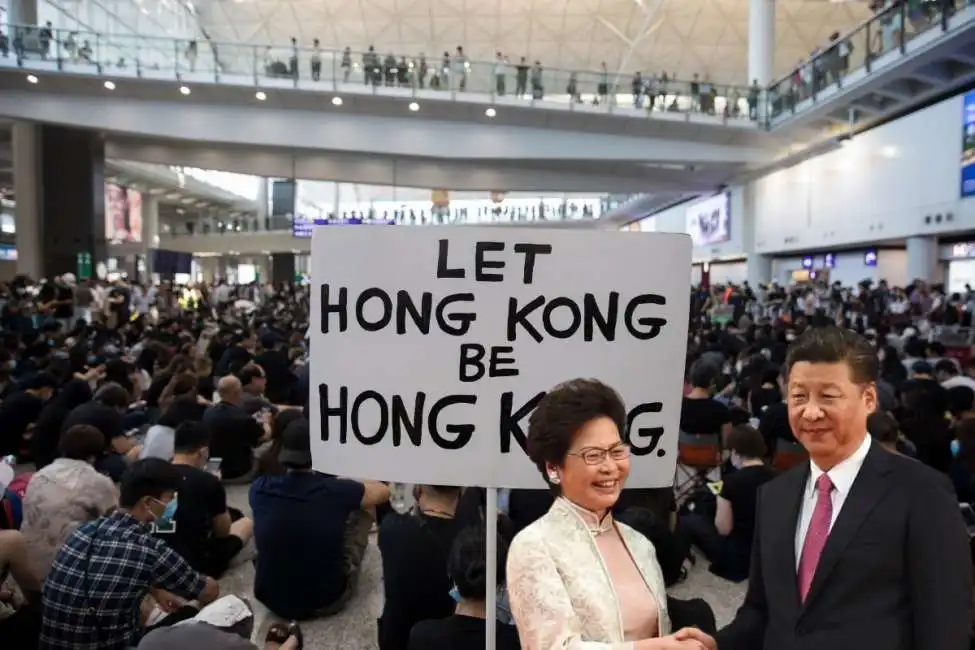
(205,533)
(21,627)
(20,411)
(311,532)
(235,434)
(105,413)
(253,382)
(414,548)
(204,636)
(64,495)
(468,572)
(727,539)
(161,436)
(121,563)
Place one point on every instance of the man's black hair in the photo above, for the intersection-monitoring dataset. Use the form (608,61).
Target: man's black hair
(149,477)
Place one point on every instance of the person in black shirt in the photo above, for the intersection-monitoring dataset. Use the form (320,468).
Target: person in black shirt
(206,534)
(235,434)
(105,414)
(414,550)
(277,369)
(20,411)
(237,355)
(468,572)
(64,303)
(699,414)
(727,539)
(118,304)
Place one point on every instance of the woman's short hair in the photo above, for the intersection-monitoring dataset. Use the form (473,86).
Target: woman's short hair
(466,564)
(82,442)
(565,410)
(746,441)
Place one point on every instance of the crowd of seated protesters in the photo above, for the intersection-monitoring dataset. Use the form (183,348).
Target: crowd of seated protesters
(309,530)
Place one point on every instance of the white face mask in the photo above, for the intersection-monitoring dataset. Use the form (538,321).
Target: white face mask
(736,461)
(739,365)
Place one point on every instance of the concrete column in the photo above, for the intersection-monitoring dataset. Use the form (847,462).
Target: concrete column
(150,231)
(22,12)
(922,258)
(27,212)
(263,209)
(761,41)
(758,270)
(337,200)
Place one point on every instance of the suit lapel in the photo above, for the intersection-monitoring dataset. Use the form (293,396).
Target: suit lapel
(868,489)
(786,532)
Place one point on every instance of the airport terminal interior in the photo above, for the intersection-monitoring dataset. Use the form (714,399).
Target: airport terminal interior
(168,169)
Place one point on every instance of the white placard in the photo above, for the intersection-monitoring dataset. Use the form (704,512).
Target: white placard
(495,291)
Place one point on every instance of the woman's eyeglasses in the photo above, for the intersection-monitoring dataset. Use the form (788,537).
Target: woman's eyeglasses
(595,455)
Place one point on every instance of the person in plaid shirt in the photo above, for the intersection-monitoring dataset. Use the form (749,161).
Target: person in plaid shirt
(92,597)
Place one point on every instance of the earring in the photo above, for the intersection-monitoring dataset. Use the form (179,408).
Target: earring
(553,478)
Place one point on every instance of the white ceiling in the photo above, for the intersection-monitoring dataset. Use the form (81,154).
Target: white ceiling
(707,37)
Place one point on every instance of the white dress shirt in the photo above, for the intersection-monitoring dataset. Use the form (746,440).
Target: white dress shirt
(842,476)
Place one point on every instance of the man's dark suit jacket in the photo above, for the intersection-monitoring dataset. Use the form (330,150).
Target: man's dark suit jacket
(895,574)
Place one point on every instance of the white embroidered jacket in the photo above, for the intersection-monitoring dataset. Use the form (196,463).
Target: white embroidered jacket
(560,590)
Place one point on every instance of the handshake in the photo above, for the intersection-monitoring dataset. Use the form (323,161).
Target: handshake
(688,638)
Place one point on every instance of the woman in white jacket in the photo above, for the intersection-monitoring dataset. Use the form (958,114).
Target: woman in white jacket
(577,579)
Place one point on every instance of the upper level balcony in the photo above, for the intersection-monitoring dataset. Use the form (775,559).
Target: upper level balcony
(908,53)
(457,79)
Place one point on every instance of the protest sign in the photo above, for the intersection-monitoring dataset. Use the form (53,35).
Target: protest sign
(431,346)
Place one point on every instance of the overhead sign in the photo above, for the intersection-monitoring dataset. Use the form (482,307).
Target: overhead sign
(432,346)
(968,145)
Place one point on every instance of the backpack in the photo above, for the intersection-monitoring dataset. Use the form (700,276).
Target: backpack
(12,502)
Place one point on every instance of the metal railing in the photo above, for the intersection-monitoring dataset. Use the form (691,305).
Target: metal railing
(313,68)
(889,30)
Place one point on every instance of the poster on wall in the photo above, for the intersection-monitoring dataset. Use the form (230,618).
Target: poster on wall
(429,374)
(709,221)
(968,146)
(123,214)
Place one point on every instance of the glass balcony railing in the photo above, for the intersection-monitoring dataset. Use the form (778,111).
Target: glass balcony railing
(891,29)
(451,75)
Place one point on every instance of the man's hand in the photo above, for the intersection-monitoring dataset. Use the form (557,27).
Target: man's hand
(694,634)
(167,602)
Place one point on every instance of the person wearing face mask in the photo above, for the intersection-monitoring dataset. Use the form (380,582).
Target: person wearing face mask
(577,578)
(726,540)
(92,597)
(208,534)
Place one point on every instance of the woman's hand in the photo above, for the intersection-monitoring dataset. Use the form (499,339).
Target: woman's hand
(707,641)
(672,642)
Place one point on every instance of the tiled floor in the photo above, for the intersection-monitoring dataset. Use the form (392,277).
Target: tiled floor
(355,628)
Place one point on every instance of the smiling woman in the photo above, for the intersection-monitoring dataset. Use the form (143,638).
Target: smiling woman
(576,575)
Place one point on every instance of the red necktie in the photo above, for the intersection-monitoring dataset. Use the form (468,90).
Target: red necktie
(816,536)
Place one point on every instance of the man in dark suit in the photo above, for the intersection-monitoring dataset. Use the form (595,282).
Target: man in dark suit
(860,548)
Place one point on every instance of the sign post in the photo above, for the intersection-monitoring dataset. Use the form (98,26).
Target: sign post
(432,346)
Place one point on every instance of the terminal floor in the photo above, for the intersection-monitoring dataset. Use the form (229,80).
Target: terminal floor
(355,628)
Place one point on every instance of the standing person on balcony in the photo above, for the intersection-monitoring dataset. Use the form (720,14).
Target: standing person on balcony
(191,53)
(316,61)
(460,66)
